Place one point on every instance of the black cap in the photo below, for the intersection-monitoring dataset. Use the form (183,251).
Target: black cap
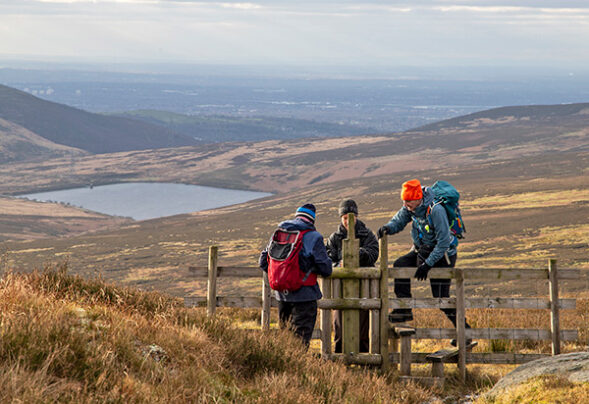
(348,206)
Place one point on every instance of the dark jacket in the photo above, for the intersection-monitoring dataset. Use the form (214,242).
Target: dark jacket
(433,232)
(368,244)
(313,257)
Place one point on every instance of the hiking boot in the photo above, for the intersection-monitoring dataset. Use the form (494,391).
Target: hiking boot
(397,316)
(466,343)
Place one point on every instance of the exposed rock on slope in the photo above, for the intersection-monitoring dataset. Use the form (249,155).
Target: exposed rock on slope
(573,366)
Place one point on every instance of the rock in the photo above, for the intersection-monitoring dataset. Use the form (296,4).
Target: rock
(155,352)
(572,366)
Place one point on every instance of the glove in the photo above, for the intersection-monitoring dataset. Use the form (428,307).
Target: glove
(421,273)
(382,231)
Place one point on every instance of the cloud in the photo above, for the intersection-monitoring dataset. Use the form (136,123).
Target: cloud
(301,31)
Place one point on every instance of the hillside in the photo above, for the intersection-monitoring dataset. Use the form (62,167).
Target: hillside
(20,144)
(25,220)
(224,128)
(573,114)
(73,127)
(514,210)
(65,339)
(280,166)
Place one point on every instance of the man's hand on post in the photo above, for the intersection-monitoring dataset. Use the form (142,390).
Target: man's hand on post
(421,273)
(382,231)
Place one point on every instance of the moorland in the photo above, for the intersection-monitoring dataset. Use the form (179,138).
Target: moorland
(522,172)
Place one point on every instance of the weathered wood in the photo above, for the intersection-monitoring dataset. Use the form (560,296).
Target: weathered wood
(266,302)
(244,302)
(316,334)
(503,358)
(493,333)
(355,273)
(351,318)
(350,289)
(235,272)
(490,358)
(437,369)
(373,273)
(374,320)
(554,309)
(384,299)
(357,359)
(212,281)
(405,354)
(325,319)
(460,327)
(401,331)
(481,303)
(446,355)
(487,273)
(350,303)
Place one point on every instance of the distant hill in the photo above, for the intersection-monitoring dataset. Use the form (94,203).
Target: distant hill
(573,113)
(18,143)
(223,128)
(73,127)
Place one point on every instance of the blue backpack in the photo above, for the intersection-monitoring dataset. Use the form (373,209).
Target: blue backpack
(448,196)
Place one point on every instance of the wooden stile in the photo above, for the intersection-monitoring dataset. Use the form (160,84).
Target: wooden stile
(266,302)
(384,298)
(326,319)
(212,281)
(374,320)
(460,328)
(554,309)
(490,273)
(350,289)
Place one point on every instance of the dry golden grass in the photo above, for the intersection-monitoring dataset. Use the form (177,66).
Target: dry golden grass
(65,339)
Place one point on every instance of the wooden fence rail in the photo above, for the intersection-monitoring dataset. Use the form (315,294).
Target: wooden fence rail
(352,288)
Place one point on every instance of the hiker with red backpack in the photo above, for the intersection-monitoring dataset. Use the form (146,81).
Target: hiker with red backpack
(435,240)
(293,258)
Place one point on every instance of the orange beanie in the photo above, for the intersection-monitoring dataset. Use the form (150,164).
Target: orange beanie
(411,190)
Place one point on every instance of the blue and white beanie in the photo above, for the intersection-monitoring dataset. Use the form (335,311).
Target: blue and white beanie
(307,211)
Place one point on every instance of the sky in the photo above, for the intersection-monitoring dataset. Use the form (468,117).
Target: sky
(547,33)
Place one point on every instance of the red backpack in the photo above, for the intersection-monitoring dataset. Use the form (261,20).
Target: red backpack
(284,272)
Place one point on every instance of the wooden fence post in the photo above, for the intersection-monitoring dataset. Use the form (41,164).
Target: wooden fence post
(384,303)
(351,288)
(266,302)
(460,319)
(554,306)
(212,282)
(374,320)
(326,320)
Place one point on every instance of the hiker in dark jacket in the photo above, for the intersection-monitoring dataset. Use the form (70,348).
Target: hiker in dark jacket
(298,309)
(433,246)
(368,256)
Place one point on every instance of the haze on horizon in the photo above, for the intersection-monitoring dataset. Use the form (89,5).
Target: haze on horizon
(371,33)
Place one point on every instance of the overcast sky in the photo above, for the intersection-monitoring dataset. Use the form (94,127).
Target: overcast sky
(343,32)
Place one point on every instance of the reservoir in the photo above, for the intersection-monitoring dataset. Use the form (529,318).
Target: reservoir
(143,200)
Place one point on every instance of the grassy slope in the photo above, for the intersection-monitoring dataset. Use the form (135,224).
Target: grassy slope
(73,127)
(24,220)
(64,339)
(18,144)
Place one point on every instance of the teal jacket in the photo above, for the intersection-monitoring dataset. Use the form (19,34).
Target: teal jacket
(433,231)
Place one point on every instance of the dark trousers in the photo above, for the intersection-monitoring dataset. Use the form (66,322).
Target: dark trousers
(364,327)
(300,317)
(440,287)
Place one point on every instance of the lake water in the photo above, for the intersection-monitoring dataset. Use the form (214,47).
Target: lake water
(142,200)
